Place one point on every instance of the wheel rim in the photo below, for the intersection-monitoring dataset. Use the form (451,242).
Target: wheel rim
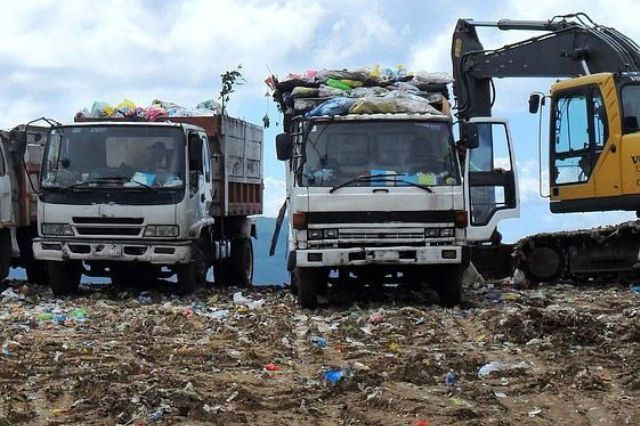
(249,257)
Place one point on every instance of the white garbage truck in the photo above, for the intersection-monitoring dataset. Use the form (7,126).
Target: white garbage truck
(137,201)
(378,191)
(20,157)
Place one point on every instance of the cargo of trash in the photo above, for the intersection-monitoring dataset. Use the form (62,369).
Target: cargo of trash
(374,90)
(158,108)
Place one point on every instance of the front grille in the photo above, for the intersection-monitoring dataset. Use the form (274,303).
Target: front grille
(109,220)
(374,235)
(111,230)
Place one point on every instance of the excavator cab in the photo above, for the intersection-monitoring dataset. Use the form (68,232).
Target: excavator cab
(594,140)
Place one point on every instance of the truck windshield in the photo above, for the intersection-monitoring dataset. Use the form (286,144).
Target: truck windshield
(417,153)
(115,156)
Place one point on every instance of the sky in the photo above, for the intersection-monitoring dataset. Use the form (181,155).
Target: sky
(58,57)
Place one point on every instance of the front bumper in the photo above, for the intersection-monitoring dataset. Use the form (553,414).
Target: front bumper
(388,256)
(156,252)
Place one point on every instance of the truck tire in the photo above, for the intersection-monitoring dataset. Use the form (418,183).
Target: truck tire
(64,277)
(241,262)
(449,286)
(192,275)
(308,281)
(5,253)
(37,272)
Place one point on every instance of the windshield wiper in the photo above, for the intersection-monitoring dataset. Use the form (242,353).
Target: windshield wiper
(408,182)
(383,177)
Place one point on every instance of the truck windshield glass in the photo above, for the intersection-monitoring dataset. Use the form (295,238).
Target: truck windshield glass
(418,153)
(117,156)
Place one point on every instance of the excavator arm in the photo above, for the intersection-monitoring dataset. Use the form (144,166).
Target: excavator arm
(594,136)
(571,46)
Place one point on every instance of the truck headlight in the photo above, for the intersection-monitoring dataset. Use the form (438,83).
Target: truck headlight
(58,229)
(432,232)
(314,234)
(446,232)
(331,233)
(161,231)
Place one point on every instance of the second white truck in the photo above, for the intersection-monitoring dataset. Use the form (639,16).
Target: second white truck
(379,193)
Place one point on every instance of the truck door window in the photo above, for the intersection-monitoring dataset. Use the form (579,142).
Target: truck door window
(580,132)
(3,168)
(490,173)
(206,157)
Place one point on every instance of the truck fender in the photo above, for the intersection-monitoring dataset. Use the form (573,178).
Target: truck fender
(196,229)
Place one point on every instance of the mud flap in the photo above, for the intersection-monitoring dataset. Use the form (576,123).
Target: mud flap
(276,231)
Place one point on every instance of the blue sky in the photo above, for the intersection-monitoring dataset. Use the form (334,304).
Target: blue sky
(57,57)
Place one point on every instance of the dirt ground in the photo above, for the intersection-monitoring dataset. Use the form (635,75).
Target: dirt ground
(562,355)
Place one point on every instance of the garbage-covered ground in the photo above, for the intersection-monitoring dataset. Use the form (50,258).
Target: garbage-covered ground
(549,355)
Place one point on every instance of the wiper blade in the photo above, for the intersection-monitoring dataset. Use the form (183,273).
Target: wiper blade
(365,178)
(408,182)
(97,180)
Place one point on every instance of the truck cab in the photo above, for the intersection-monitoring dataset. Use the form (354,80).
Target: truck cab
(7,222)
(389,198)
(137,201)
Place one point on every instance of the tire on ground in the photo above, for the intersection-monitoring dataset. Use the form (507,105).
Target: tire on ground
(240,264)
(308,281)
(192,275)
(5,253)
(449,286)
(64,277)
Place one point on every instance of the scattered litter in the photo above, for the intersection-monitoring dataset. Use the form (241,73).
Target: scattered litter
(489,368)
(334,376)
(239,299)
(319,341)
(272,367)
(500,394)
(10,295)
(450,379)
(535,412)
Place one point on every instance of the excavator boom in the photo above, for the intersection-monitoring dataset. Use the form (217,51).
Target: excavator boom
(594,134)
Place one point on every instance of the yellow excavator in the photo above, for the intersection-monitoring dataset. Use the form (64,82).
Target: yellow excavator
(594,134)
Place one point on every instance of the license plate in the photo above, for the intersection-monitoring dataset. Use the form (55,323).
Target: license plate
(113,250)
(385,256)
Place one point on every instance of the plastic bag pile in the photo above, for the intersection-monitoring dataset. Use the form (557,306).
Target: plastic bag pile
(157,109)
(365,91)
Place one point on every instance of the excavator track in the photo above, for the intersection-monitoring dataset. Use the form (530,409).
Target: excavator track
(601,254)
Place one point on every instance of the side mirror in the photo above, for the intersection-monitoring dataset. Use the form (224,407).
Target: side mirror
(283,146)
(631,122)
(534,103)
(471,140)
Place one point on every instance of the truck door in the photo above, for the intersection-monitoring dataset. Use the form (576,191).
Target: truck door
(491,184)
(207,195)
(6,203)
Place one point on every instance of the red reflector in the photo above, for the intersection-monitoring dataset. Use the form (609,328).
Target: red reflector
(299,220)
(461,219)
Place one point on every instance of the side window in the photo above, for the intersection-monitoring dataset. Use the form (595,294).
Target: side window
(206,157)
(580,133)
(3,167)
(492,186)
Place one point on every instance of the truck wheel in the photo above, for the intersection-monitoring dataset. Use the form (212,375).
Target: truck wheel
(64,277)
(449,288)
(5,253)
(308,280)
(241,262)
(37,272)
(193,275)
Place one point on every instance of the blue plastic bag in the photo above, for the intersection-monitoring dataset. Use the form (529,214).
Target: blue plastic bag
(335,106)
